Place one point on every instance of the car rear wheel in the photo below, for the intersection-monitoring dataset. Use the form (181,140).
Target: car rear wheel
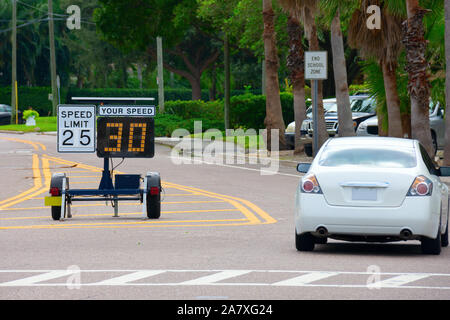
(304,241)
(321,240)
(432,246)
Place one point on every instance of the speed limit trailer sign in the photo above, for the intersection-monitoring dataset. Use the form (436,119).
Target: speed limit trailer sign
(76,128)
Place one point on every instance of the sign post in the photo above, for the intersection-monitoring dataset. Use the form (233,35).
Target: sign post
(316,68)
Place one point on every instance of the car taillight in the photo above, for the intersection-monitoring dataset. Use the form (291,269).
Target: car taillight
(55,192)
(310,184)
(422,186)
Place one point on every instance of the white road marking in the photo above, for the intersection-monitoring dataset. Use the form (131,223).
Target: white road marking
(213,278)
(398,280)
(122,280)
(305,279)
(268,172)
(38,278)
(302,279)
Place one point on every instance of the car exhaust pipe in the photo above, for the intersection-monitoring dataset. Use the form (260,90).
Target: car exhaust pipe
(322,231)
(406,234)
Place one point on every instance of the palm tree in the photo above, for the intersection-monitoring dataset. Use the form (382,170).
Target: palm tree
(305,10)
(417,68)
(384,45)
(274,116)
(296,66)
(447,84)
(334,8)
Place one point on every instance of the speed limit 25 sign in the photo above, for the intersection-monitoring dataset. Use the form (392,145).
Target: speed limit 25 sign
(76,128)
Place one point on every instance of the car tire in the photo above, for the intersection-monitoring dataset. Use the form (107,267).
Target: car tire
(309,149)
(321,240)
(434,141)
(304,242)
(444,237)
(432,246)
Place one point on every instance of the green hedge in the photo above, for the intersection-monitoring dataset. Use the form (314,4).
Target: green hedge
(165,124)
(35,97)
(249,111)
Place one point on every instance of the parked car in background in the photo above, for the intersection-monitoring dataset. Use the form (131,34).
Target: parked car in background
(363,107)
(6,113)
(369,127)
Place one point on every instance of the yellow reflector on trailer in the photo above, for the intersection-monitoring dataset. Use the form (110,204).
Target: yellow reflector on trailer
(53,201)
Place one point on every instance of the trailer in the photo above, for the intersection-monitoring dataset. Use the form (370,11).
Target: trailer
(110,131)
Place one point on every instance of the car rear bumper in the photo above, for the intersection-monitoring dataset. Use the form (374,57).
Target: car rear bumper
(420,215)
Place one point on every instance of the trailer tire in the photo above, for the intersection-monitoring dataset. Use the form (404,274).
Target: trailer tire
(153,206)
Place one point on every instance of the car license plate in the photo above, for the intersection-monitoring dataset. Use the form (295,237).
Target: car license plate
(364,194)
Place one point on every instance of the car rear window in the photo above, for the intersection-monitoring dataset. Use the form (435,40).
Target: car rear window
(368,157)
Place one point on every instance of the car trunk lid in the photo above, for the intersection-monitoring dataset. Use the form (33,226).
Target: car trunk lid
(363,188)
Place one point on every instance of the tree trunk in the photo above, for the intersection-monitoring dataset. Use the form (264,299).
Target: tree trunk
(196,87)
(395,128)
(345,119)
(274,117)
(296,66)
(447,85)
(417,68)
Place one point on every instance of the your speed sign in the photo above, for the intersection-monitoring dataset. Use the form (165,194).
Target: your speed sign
(76,128)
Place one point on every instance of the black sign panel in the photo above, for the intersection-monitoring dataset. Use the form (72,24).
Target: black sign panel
(125,137)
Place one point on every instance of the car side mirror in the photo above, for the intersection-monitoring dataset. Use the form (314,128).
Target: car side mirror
(304,167)
(444,171)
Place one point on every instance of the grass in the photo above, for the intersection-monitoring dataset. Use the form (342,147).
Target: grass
(248,141)
(43,124)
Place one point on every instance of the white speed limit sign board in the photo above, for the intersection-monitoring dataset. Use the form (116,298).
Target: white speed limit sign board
(76,128)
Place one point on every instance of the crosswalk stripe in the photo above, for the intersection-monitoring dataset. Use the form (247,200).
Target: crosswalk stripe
(129,277)
(38,278)
(398,280)
(213,278)
(305,279)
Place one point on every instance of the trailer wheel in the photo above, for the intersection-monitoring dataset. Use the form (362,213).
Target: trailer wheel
(56,213)
(154,206)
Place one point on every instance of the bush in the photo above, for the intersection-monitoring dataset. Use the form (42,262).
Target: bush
(165,124)
(249,111)
(30,113)
(212,110)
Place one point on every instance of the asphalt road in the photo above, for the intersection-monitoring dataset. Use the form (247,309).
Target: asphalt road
(226,232)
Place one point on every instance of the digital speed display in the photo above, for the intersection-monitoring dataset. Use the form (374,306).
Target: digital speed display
(125,137)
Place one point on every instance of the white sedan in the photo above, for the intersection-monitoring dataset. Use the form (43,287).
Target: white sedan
(372,189)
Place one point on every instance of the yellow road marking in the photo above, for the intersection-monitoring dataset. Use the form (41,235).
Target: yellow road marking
(239,204)
(255,208)
(37,183)
(105,224)
(35,145)
(102,205)
(127,213)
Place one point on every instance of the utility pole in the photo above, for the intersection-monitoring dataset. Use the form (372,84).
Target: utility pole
(14,62)
(159,52)
(51,30)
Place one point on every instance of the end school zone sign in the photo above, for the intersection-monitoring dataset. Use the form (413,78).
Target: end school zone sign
(76,128)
